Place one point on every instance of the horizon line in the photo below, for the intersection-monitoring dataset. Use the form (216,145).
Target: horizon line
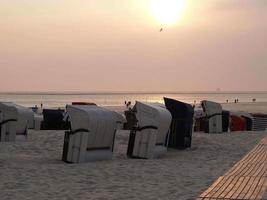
(125,92)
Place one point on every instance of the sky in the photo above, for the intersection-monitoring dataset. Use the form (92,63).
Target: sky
(117,45)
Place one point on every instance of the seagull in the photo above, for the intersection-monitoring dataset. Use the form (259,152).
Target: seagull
(161,30)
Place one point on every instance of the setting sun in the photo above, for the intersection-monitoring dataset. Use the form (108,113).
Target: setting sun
(167,12)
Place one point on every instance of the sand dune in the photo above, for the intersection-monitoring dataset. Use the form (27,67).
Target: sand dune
(33,169)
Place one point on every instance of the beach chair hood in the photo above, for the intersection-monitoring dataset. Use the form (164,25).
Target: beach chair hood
(8,111)
(211,108)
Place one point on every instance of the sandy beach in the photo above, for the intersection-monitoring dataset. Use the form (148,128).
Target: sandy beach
(63,62)
(33,169)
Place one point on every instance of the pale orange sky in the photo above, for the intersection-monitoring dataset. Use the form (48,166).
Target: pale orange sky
(115,45)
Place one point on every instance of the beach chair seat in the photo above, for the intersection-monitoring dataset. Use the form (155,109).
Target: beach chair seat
(14,120)
(92,134)
(182,123)
(213,114)
(148,139)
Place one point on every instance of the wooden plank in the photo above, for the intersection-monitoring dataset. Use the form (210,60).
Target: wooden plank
(258,156)
(257,150)
(256,170)
(263,189)
(228,192)
(252,188)
(222,187)
(254,150)
(247,188)
(238,188)
(257,189)
(254,156)
(206,193)
(262,194)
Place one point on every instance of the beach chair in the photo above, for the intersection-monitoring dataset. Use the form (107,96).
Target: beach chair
(14,120)
(238,123)
(92,134)
(148,139)
(259,122)
(83,103)
(213,114)
(182,123)
(53,120)
(252,123)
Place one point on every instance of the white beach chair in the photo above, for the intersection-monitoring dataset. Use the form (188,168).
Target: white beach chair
(14,120)
(213,112)
(148,139)
(92,134)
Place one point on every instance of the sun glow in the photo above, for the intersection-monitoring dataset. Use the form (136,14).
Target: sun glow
(168,12)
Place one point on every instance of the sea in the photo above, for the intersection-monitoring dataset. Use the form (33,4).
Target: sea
(54,99)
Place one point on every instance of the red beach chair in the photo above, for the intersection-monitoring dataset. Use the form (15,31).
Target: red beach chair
(84,103)
(238,123)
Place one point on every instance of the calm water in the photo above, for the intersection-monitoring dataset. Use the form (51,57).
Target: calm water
(117,99)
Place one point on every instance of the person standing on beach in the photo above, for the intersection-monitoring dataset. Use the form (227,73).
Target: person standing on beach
(41,108)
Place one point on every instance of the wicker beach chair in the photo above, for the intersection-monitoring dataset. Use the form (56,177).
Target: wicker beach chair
(182,123)
(92,134)
(148,139)
(14,120)
(213,114)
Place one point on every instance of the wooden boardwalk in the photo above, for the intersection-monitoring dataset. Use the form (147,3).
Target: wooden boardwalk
(246,180)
